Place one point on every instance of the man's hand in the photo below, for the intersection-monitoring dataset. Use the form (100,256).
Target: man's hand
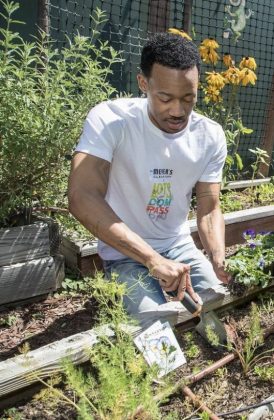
(219,268)
(172,276)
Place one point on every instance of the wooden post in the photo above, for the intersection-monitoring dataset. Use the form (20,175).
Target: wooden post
(187,16)
(158,18)
(267,141)
(43,15)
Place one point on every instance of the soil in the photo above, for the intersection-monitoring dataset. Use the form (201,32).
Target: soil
(60,316)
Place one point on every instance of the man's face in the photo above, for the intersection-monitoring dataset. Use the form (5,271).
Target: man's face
(171,96)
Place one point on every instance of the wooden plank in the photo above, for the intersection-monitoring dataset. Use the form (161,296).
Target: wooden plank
(234,231)
(81,257)
(21,371)
(24,243)
(23,280)
(259,219)
(187,16)
(267,141)
(83,248)
(54,232)
(89,265)
(59,270)
(241,185)
(158,15)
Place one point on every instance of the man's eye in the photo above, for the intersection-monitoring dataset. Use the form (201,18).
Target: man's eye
(164,100)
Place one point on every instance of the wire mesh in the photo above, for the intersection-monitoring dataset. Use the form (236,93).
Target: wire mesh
(129,23)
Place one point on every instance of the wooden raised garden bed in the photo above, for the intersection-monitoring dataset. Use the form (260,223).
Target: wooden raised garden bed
(30,264)
(23,370)
(82,257)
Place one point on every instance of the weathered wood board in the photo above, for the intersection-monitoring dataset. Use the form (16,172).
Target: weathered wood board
(82,256)
(24,243)
(21,371)
(259,219)
(23,280)
(246,183)
(54,232)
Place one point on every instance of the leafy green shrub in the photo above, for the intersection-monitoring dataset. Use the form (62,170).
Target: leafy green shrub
(45,95)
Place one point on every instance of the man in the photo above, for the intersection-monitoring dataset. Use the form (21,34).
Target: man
(132,176)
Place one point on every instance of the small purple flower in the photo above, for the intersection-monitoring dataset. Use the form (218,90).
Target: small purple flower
(264,232)
(252,245)
(250,233)
(261,262)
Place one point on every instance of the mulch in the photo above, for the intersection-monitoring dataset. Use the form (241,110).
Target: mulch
(59,316)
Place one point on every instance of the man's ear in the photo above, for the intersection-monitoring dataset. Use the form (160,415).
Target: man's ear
(142,82)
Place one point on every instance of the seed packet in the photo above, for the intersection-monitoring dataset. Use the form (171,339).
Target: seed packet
(159,345)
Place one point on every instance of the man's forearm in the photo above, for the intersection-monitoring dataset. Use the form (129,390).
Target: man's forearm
(98,217)
(211,229)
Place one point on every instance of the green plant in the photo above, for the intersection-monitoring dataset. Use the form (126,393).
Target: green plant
(230,202)
(221,372)
(118,381)
(263,193)
(8,321)
(72,228)
(266,303)
(261,156)
(74,287)
(45,95)
(11,414)
(191,349)
(247,348)
(266,373)
(204,416)
(252,264)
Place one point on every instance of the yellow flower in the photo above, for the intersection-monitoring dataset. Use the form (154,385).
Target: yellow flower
(232,75)
(248,62)
(208,55)
(247,76)
(210,43)
(215,79)
(212,94)
(227,60)
(179,32)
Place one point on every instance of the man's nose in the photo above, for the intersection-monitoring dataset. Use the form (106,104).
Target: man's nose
(177,110)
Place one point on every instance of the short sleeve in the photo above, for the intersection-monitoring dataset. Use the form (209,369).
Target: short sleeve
(214,168)
(101,132)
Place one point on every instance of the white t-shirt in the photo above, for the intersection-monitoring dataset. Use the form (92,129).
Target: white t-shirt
(152,173)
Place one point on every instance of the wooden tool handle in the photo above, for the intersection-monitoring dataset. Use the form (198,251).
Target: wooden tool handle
(193,307)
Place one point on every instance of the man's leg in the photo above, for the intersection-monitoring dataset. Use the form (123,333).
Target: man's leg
(143,292)
(201,270)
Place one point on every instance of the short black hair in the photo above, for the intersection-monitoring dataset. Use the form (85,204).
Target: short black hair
(169,50)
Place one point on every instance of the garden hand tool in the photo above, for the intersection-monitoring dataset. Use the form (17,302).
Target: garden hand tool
(206,320)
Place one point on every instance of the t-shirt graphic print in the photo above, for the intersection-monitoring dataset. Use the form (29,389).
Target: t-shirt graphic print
(161,196)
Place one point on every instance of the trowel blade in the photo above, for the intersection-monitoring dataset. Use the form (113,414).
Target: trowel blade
(209,320)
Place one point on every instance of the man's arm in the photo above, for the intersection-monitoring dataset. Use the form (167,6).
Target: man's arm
(87,189)
(211,226)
